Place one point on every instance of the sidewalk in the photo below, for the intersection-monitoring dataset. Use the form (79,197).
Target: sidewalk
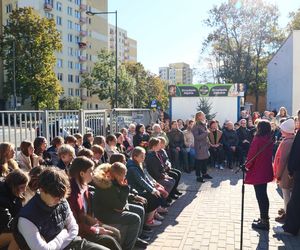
(207,216)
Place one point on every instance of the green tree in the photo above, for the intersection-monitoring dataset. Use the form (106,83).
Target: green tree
(148,87)
(205,106)
(244,35)
(36,40)
(294,24)
(101,80)
(70,103)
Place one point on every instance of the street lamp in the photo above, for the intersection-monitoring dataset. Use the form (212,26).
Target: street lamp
(90,13)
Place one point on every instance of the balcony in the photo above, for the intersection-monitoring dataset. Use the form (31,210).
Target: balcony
(83,7)
(83,33)
(48,7)
(82,45)
(82,58)
(82,20)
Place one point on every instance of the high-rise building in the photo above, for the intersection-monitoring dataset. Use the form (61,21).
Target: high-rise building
(127,47)
(82,37)
(177,73)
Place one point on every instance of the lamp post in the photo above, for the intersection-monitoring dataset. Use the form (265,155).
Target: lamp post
(90,13)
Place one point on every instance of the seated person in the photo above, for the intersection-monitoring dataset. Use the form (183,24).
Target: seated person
(27,159)
(86,152)
(178,152)
(56,143)
(139,181)
(216,147)
(88,139)
(66,154)
(98,152)
(155,167)
(230,141)
(111,146)
(11,196)
(81,172)
(173,172)
(46,221)
(111,202)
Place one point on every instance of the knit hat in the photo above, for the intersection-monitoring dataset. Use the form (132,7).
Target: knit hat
(288,126)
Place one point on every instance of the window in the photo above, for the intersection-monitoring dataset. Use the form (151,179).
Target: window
(77,39)
(58,20)
(70,78)
(58,6)
(70,11)
(77,92)
(77,79)
(59,63)
(70,38)
(60,76)
(70,92)
(70,51)
(77,26)
(49,15)
(78,2)
(9,8)
(77,14)
(77,66)
(76,53)
(70,64)
(70,24)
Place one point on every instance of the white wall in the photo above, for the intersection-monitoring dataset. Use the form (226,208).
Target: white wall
(280,77)
(296,72)
(186,107)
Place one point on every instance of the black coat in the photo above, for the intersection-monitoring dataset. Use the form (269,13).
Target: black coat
(294,158)
(154,166)
(230,138)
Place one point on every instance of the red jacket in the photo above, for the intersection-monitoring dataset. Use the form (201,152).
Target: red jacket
(76,203)
(260,169)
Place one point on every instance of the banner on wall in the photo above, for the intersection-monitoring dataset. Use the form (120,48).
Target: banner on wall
(208,89)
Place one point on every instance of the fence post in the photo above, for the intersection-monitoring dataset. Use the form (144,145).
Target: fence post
(105,123)
(81,121)
(46,132)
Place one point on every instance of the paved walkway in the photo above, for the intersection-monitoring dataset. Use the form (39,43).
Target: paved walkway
(207,216)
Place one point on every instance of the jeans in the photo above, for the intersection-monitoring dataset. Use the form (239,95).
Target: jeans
(105,240)
(140,211)
(82,244)
(191,157)
(179,158)
(263,200)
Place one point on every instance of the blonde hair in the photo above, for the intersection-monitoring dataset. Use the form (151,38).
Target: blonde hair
(117,168)
(66,149)
(6,165)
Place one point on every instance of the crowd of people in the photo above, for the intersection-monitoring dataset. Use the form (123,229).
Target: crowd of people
(96,192)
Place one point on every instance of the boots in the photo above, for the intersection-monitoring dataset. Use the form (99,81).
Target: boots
(262,224)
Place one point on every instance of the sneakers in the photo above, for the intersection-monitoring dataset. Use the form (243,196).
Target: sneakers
(159,217)
(162,210)
(221,167)
(174,196)
(200,179)
(153,223)
(141,243)
(206,176)
(147,230)
(178,193)
(280,230)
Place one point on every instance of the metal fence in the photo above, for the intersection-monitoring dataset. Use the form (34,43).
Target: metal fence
(16,126)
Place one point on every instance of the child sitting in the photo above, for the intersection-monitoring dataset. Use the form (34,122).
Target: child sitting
(56,143)
(66,154)
(27,159)
(111,201)
(98,154)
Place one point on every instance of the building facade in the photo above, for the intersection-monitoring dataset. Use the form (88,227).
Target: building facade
(177,73)
(283,87)
(82,37)
(127,47)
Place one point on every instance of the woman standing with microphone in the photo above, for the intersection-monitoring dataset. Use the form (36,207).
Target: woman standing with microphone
(260,171)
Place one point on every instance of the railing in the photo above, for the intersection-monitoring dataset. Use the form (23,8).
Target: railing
(16,126)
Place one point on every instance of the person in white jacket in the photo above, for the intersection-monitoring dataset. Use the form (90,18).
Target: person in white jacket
(27,159)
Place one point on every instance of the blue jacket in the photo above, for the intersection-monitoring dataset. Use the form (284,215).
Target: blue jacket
(137,179)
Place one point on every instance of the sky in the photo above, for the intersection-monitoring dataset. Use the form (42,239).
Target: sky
(169,31)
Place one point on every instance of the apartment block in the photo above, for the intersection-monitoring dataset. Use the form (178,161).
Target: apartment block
(177,73)
(82,37)
(127,47)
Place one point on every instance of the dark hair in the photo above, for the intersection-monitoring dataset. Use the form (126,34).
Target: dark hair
(85,152)
(117,158)
(57,140)
(24,147)
(263,128)
(55,182)
(78,136)
(80,164)
(110,138)
(212,122)
(138,127)
(172,122)
(38,141)
(98,140)
(16,178)
(87,136)
(34,174)
(298,113)
(70,139)
(118,134)
(153,142)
